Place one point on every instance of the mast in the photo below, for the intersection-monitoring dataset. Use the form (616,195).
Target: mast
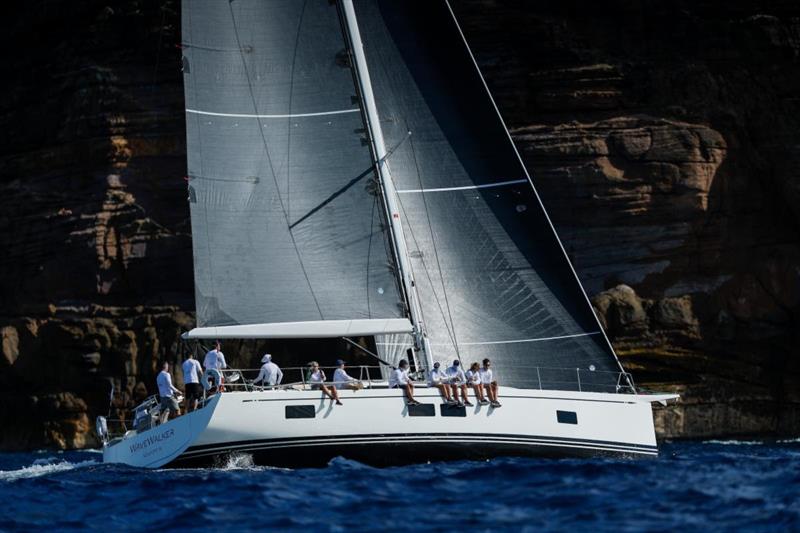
(387,185)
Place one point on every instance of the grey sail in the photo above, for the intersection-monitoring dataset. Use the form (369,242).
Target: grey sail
(491,275)
(286,222)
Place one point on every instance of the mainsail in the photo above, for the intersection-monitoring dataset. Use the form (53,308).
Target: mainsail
(492,277)
(287,222)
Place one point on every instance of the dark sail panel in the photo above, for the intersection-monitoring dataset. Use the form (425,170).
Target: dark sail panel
(490,272)
(286,222)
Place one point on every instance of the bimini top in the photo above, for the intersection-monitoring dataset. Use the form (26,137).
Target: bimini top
(304,330)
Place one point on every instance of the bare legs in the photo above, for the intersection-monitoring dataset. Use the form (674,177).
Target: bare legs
(444,390)
(463,388)
(331,393)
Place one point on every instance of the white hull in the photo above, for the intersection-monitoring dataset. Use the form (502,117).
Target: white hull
(301,428)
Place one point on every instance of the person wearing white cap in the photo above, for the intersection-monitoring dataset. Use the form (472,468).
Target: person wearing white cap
(270,374)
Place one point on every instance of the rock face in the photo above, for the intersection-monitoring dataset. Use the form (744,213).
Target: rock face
(662,137)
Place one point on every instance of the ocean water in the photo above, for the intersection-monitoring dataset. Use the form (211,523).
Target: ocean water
(712,485)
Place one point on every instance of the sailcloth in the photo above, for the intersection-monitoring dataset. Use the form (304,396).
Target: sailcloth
(492,278)
(287,223)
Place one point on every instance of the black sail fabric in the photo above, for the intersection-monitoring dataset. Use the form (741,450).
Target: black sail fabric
(286,222)
(491,276)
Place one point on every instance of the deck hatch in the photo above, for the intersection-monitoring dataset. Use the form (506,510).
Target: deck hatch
(300,411)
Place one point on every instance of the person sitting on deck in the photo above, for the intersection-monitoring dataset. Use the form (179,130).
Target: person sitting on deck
(438,379)
(213,363)
(270,374)
(474,380)
(399,379)
(489,382)
(191,382)
(316,376)
(458,381)
(342,380)
(167,394)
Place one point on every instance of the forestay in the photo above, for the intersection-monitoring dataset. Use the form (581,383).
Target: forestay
(492,277)
(287,223)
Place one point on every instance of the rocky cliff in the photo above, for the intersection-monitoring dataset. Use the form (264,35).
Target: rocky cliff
(662,138)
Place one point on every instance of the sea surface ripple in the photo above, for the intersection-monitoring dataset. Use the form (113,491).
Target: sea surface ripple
(714,485)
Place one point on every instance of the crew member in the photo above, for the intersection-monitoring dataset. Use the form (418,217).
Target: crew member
(458,382)
(213,363)
(166,394)
(316,376)
(400,379)
(270,374)
(342,380)
(474,380)
(489,382)
(191,382)
(438,379)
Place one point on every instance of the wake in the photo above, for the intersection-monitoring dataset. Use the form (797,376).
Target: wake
(43,467)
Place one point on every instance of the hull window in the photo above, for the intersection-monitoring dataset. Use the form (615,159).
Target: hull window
(447,410)
(426,409)
(567,417)
(300,411)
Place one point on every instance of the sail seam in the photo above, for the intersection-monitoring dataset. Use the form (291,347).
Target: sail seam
(464,188)
(291,115)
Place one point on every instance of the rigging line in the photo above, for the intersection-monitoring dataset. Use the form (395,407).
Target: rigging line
(465,187)
(289,115)
(269,161)
(533,187)
(427,273)
(289,124)
(435,250)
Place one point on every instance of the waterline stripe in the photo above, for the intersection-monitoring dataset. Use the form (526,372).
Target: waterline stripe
(465,188)
(295,115)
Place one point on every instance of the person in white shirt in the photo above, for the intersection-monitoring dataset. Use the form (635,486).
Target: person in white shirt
(213,363)
(489,383)
(400,379)
(270,374)
(191,382)
(438,379)
(458,382)
(316,376)
(167,393)
(342,380)
(474,380)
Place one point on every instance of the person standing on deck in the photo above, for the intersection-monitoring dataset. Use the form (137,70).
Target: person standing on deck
(399,379)
(270,374)
(213,363)
(489,383)
(458,381)
(166,394)
(191,382)
(439,379)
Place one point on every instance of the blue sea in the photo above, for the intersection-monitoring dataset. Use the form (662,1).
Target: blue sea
(694,486)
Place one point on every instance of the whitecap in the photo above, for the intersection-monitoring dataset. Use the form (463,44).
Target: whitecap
(42,467)
(734,442)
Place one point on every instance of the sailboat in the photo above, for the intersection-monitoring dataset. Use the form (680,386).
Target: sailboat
(351,176)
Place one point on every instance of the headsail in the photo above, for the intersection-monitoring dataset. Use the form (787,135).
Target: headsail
(492,276)
(286,222)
